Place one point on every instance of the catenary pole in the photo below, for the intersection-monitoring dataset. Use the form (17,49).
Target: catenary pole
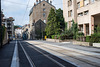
(0,26)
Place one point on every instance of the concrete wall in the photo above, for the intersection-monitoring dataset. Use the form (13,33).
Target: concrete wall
(5,37)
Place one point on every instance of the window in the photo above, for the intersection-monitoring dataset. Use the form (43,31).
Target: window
(44,14)
(43,4)
(80,14)
(78,4)
(80,28)
(86,12)
(43,9)
(86,2)
(69,2)
(70,13)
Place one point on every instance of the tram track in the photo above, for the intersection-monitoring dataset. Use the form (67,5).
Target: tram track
(80,59)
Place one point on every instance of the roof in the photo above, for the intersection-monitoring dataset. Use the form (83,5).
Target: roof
(19,28)
(37,4)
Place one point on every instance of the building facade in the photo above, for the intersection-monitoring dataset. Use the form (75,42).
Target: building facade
(8,22)
(39,11)
(86,13)
(5,39)
(25,32)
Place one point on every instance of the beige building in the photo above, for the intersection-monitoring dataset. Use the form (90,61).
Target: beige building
(85,12)
(39,11)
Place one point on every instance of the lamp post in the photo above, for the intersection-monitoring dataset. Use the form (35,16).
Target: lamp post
(0,26)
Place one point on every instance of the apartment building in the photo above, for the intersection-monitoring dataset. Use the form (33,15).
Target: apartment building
(39,12)
(8,22)
(69,11)
(87,14)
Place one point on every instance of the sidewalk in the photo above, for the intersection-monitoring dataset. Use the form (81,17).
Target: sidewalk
(6,54)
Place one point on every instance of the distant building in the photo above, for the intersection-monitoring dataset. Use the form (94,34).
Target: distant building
(8,22)
(25,31)
(85,12)
(39,12)
(18,32)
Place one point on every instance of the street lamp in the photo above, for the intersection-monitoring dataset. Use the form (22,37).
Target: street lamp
(0,26)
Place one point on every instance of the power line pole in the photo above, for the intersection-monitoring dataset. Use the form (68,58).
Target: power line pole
(0,26)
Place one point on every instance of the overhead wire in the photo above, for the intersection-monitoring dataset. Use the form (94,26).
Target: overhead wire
(25,11)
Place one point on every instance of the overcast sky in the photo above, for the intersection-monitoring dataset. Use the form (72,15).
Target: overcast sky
(17,9)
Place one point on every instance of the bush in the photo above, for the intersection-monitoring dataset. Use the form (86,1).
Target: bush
(3,32)
(53,36)
(95,38)
(80,34)
(57,36)
(66,36)
(88,38)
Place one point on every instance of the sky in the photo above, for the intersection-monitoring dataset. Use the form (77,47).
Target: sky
(19,9)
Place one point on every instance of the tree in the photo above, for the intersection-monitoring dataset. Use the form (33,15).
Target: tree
(50,27)
(60,21)
(74,29)
(55,24)
(66,27)
(16,27)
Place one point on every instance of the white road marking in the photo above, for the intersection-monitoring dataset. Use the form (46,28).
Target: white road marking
(29,59)
(65,42)
(49,57)
(15,59)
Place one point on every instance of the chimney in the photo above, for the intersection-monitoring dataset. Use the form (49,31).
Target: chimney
(50,1)
(36,1)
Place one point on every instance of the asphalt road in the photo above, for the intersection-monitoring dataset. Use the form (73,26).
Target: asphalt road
(28,55)
(31,56)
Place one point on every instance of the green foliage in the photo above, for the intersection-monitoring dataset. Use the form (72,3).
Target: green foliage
(65,27)
(95,38)
(80,34)
(66,36)
(55,24)
(60,18)
(50,27)
(53,36)
(16,27)
(74,29)
(88,38)
(3,32)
